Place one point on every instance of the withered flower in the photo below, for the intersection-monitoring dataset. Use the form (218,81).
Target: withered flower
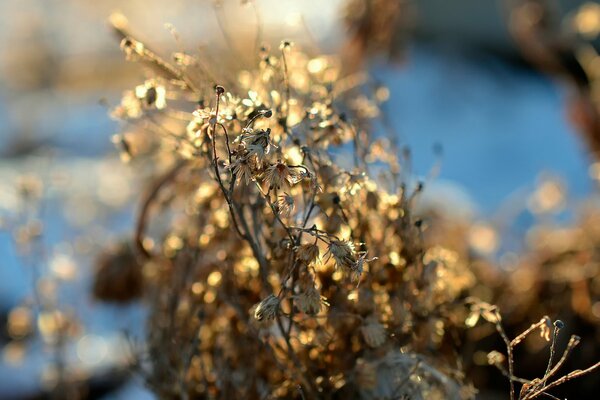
(308,253)
(279,174)
(243,168)
(359,266)
(268,308)
(199,123)
(310,301)
(481,309)
(343,253)
(151,94)
(257,142)
(285,204)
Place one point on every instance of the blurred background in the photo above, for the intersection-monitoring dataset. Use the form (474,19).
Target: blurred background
(486,131)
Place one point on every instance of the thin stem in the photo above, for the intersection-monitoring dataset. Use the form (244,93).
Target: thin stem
(552,351)
(509,351)
(571,375)
(573,342)
(525,333)
(286,83)
(142,219)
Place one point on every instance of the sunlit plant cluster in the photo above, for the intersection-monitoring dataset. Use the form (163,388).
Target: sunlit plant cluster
(289,263)
(292,265)
(282,250)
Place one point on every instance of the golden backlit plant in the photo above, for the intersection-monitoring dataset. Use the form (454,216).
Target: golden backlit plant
(291,265)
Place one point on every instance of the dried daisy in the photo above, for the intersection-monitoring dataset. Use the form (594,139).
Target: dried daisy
(199,123)
(151,94)
(308,253)
(267,308)
(343,254)
(359,266)
(258,143)
(285,204)
(280,174)
(310,301)
(480,309)
(243,168)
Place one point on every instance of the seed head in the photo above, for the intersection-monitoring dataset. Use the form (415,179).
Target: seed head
(310,301)
(285,205)
(268,308)
(308,253)
(343,253)
(242,167)
(279,174)
(258,142)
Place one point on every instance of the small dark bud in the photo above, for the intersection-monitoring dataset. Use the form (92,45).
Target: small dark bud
(267,113)
(336,199)
(558,324)
(151,96)
(219,89)
(419,223)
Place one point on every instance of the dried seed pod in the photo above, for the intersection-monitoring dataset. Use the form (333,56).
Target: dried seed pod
(268,308)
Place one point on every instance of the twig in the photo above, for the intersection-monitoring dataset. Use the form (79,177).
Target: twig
(571,375)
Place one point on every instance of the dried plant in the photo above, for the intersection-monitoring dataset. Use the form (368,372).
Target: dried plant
(292,265)
(537,387)
(279,249)
(287,270)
